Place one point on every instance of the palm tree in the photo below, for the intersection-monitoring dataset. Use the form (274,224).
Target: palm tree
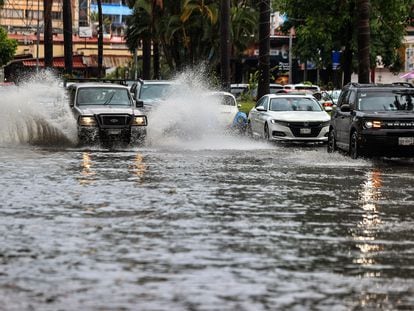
(48,33)
(264,47)
(363,7)
(67,35)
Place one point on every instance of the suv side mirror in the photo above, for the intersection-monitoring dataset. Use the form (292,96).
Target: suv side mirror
(346,108)
(139,103)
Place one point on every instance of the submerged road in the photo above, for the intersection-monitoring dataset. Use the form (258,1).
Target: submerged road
(225,224)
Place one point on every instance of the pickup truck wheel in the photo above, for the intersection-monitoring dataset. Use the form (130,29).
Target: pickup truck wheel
(354,149)
(331,141)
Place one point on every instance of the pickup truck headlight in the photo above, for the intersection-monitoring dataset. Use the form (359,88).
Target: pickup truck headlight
(139,120)
(87,121)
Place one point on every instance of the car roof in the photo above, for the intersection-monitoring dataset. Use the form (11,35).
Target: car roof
(221,93)
(97,84)
(157,82)
(288,95)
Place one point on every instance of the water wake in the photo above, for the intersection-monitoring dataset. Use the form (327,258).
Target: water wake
(36,112)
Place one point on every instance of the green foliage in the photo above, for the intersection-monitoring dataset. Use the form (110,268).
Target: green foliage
(7,48)
(326,25)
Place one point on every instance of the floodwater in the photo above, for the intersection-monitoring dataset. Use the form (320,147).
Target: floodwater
(214,223)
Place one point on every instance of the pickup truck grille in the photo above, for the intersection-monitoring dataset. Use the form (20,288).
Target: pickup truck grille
(115,120)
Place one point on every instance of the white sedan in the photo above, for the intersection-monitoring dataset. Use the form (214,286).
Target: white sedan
(286,117)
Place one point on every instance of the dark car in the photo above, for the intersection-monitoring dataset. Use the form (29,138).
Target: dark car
(374,120)
(106,113)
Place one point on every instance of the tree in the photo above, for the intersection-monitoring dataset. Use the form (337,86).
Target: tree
(7,48)
(331,25)
(48,33)
(225,44)
(363,41)
(67,36)
(264,47)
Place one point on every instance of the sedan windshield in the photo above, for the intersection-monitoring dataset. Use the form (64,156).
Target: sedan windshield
(294,104)
(103,96)
(385,101)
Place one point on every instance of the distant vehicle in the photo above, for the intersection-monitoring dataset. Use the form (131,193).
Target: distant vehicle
(239,89)
(228,107)
(301,86)
(335,95)
(287,117)
(106,113)
(374,120)
(150,93)
(325,99)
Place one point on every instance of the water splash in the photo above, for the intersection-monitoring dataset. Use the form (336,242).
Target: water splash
(189,119)
(36,112)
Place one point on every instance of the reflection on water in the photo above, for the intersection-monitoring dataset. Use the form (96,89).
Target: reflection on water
(91,167)
(370,195)
(87,173)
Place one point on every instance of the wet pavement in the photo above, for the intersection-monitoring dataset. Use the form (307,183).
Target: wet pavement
(215,222)
(248,227)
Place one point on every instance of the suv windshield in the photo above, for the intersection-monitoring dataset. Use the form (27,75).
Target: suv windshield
(294,104)
(385,101)
(103,96)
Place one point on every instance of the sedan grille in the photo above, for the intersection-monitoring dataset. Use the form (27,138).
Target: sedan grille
(298,128)
(115,120)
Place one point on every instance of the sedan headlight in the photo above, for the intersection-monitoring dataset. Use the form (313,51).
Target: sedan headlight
(139,121)
(326,123)
(87,121)
(283,123)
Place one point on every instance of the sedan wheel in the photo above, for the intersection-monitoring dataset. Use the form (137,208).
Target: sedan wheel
(354,149)
(266,132)
(331,141)
(249,130)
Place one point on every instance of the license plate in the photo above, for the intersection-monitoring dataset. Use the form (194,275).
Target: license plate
(114,132)
(305,131)
(405,141)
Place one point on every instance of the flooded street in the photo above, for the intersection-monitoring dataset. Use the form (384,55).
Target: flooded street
(218,223)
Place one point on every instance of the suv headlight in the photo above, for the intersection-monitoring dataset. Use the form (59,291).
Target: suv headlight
(139,121)
(372,124)
(87,121)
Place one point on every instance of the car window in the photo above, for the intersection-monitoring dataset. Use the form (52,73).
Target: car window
(262,102)
(103,96)
(226,100)
(343,98)
(352,99)
(280,104)
(385,101)
(154,91)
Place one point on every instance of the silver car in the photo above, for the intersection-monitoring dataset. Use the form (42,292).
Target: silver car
(106,113)
(299,118)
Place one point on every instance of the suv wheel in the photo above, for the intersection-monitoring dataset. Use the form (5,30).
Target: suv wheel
(354,149)
(331,141)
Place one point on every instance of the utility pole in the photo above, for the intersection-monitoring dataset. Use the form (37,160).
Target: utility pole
(225,44)
(264,48)
(48,33)
(67,36)
(100,39)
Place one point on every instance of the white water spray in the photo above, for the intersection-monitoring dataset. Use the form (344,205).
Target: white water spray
(190,119)
(36,112)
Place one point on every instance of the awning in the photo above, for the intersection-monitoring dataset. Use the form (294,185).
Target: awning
(109,61)
(57,63)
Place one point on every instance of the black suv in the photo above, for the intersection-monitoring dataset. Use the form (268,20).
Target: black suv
(374,120)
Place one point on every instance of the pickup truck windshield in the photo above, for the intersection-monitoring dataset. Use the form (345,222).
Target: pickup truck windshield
(103,96)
